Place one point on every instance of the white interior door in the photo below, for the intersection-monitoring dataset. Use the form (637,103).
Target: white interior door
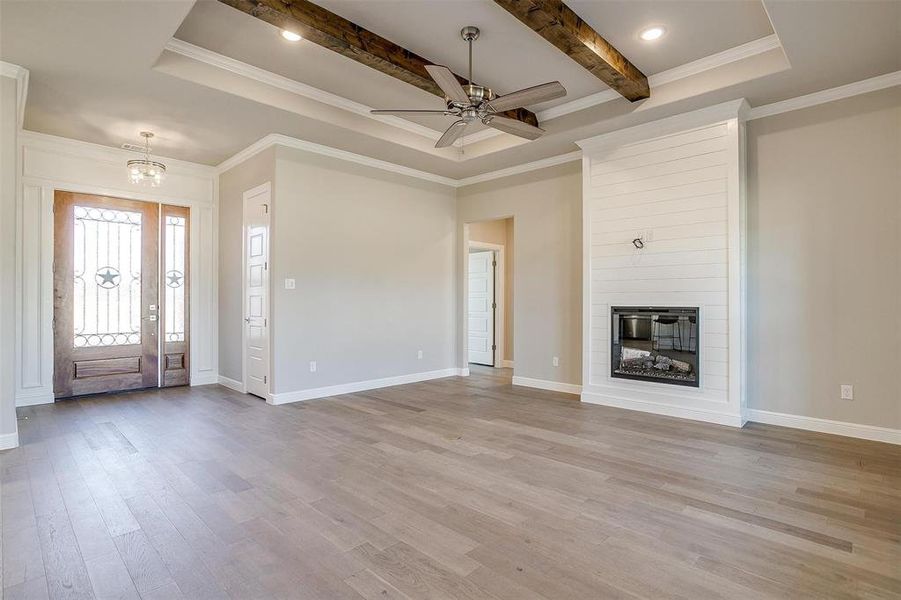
(481,308)
(256,291)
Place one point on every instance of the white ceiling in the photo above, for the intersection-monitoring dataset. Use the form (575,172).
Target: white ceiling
(99,71)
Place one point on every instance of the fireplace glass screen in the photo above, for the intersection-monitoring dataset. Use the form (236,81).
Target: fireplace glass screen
(655,344)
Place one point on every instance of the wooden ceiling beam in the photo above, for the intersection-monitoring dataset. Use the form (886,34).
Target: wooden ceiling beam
(325,28)
(558,24)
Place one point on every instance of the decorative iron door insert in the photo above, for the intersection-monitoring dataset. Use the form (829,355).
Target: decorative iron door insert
(175,293)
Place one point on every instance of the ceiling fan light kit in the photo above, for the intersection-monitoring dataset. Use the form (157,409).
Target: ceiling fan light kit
(472,103)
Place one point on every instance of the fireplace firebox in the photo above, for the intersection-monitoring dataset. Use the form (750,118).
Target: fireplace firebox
(658,344)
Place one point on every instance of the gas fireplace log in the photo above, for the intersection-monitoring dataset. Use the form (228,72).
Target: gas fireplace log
(680,365)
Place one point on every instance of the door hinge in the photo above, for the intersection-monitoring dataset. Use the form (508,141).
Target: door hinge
(493,347)
(265,379)
(265,208)
(266,265)
(494,305)
(494,263)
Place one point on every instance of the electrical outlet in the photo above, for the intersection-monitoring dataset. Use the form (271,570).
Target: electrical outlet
(290,284)
(556,361)
(419,355)
(312,366)
(847,392)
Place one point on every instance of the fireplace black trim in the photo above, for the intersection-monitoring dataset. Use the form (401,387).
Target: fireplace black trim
(616,311)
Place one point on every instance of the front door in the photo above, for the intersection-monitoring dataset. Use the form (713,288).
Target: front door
(106,300)
(481,307)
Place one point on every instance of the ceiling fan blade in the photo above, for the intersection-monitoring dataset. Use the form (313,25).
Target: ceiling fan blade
(513,126)
(452,134)
(448,83)
(529,96)
(409,112)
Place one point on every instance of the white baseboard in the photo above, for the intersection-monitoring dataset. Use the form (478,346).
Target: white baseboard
(506,364)
(543,384)
(8,441)
(464,372)
(204,378)
(670,410)
(362,386)
(34,399)
(866,432)
(232,384)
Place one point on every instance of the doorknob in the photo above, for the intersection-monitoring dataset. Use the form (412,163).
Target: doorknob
(247,319)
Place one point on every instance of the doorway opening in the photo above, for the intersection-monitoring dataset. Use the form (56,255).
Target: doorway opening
(490,293)
(121,281)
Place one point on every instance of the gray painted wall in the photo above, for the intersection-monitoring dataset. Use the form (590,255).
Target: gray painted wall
(7,255)
(232,185)
(824,259)
(373,254)
(378,263)
(546,207)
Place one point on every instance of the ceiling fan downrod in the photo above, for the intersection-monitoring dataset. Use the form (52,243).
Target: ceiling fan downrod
(470,33)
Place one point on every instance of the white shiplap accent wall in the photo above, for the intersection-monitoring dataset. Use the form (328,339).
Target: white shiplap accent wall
(681,192)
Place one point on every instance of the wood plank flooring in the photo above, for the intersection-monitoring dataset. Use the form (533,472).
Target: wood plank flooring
(463,488)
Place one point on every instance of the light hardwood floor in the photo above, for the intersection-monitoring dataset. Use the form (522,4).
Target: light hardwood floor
(456,488)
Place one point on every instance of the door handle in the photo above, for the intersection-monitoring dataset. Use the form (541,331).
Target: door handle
(247,319)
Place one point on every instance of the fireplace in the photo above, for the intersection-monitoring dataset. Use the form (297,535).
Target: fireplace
(658,344)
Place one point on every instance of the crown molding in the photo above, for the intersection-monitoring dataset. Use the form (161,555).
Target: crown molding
(695,67)
(715,61)
(11,70)
(277,139)
(108,154)
(706,63)
(737,109)
(703,117)
(20,74)
(290,85)
(841,92)
(523,168)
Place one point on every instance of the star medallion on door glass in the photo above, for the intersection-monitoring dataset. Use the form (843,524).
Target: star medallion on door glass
(107,277)
(174,278)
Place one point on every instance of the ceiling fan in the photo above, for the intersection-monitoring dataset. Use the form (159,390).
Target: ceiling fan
(471,103)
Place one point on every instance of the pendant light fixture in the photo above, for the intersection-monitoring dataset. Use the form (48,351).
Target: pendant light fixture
(145,171)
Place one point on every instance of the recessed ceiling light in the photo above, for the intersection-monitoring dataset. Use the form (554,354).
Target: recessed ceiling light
(652,33)
(290,36)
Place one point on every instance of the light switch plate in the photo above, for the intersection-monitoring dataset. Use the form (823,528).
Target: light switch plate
(556,361)
(312,366)
(290,284)
(847,392)
(419,354)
